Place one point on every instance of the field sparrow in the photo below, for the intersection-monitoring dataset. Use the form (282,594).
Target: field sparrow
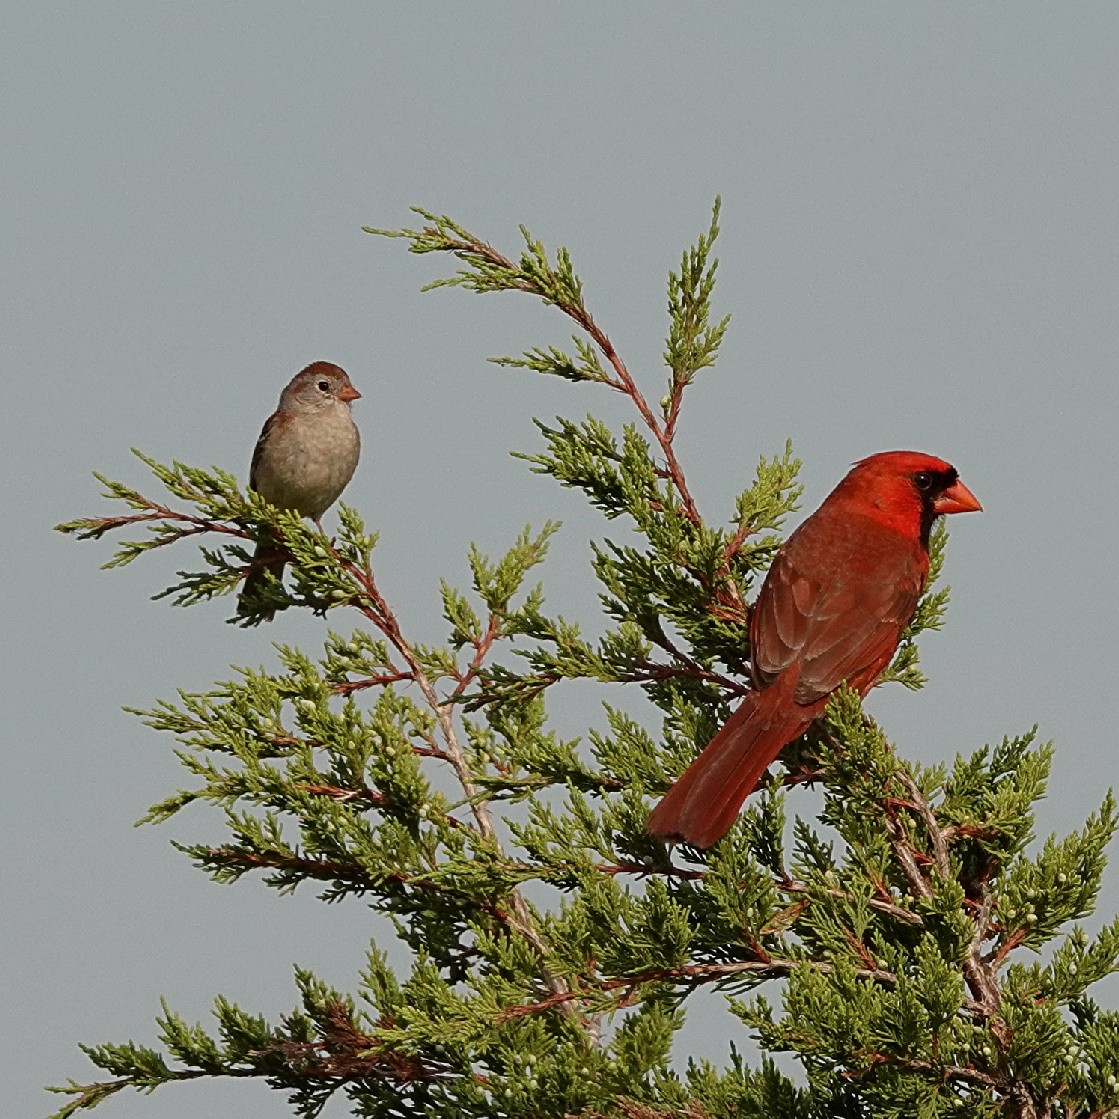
(306,454)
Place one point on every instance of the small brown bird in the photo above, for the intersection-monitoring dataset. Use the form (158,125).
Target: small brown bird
(306,454)
(838,595)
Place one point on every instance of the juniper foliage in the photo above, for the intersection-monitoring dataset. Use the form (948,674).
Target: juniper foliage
(900,960)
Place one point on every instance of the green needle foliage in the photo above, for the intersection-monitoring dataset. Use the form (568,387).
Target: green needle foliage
(912,948)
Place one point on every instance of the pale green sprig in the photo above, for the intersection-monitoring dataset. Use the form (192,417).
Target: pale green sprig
(488,270)
(557,363)
(693,341)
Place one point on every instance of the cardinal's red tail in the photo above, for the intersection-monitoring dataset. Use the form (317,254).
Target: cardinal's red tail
(703,804)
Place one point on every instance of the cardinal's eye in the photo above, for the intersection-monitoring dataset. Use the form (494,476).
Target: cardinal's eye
(923,480)
(324,386)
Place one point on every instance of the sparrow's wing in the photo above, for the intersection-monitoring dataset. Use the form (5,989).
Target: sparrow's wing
(258,451)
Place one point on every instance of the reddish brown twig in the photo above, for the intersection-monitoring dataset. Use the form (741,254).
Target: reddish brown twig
(692,976)
(346,687)
(481,651)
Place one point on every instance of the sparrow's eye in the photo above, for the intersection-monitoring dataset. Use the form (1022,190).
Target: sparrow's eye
(324,386)
(923,480)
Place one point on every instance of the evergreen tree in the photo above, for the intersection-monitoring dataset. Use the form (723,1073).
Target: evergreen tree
(899,960)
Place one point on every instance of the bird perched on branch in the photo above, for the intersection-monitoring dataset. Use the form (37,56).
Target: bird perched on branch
(305,457)
(832,609)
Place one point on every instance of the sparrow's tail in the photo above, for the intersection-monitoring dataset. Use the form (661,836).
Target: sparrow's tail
(263,564)
(700,808)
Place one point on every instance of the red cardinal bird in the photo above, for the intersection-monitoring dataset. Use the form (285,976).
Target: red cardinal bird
(832,609)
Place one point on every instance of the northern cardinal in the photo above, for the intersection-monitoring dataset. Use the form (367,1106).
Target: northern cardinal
(833,606)
(306,454)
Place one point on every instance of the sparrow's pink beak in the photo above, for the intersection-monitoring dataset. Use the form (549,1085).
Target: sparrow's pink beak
(957,498)
(348,393)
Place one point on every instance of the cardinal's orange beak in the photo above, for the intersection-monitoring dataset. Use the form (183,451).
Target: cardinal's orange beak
(348,393)
(957,498)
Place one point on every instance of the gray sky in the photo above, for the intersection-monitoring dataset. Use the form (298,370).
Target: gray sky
(919,250)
